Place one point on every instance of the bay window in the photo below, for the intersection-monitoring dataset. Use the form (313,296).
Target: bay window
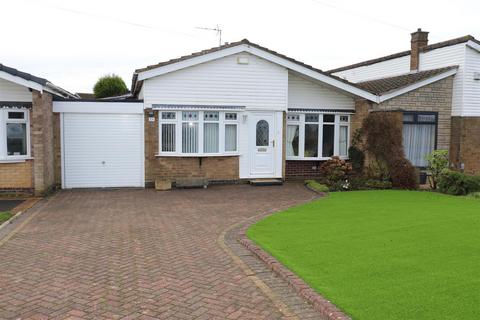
(317,136)
(14,134)
(198,133)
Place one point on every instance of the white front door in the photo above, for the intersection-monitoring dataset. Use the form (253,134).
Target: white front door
(262,145)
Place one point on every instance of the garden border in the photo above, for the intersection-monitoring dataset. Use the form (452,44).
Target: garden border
(326,309)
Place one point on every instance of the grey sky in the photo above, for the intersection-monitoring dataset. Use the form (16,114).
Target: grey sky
(73,42)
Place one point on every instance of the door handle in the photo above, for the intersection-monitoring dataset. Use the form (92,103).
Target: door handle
(273,143)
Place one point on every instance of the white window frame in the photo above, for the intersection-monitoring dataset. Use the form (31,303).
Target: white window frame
(222,121)
(3,133)
(301,138)
(168,121)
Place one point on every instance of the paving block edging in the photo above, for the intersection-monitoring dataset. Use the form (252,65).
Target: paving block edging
(327,309)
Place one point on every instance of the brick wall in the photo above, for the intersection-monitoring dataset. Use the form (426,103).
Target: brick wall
(436,97)
(212,168)
(302,169)
(465,146)
(42,141)
(16,176)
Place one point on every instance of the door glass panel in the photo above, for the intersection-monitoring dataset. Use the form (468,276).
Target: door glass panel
(262,133)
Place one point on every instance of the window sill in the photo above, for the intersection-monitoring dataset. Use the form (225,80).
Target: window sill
(313,159)
(15,160)
(200,155)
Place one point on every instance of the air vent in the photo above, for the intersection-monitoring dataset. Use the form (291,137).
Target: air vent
(242,60)
(476,76)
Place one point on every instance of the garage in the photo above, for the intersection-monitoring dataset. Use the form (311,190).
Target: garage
(102,144)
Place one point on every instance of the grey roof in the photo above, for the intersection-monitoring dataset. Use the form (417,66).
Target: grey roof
(384,85)
(430,47)
(23,75)
(134,88)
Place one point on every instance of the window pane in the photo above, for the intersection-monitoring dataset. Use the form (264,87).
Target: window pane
(189,137)
(292,140)
(210,137)
(16,139)
(168,115)
(328,118)
(418,142)
(16,115)
(311,117)
(343,141)
(262,133)
(343,118)
(230,137)
(168,137)
(190,115)
(230,116)
(408,117)
(328,137)
(210,116)
(311,140)
(426,118)
(293,117)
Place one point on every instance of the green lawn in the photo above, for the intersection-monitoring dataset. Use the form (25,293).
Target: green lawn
(383,254)
(4,216)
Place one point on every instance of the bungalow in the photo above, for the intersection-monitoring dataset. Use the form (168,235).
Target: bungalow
(239,111)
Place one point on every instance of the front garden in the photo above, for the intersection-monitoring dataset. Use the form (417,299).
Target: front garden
(386,254)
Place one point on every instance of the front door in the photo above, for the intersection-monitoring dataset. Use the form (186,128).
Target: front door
(262,145)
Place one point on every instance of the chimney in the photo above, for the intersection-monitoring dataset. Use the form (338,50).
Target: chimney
(418,42)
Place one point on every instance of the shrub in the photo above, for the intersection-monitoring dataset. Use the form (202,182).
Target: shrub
(457,183)
(318,187)
(355,153)
(383,136)
(403,174)
(377,170)
(109,86)
(359,183)
(474,195)
(437,162)
(384,141)
(452,182)
(335,170)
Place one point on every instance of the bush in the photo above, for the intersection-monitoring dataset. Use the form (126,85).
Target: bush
(369,184)
(355,152)
(384,141)
(109,86)
(437,162)
(377,170)
(335,170)
(403,174)
(318,187)
(474,195)
(457,183)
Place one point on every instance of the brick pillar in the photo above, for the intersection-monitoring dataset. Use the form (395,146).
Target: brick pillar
(42,141)
(465,144)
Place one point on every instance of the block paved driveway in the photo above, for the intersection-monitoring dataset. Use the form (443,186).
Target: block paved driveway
(138,254)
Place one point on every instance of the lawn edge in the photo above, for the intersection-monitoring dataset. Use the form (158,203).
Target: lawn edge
(19,210)
(327,309)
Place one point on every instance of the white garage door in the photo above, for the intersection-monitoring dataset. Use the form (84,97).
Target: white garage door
(102,150)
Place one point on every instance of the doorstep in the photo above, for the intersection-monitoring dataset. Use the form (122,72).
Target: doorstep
(266,182)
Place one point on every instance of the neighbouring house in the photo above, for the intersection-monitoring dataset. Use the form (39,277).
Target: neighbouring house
(26,131)
(241,112)
(452,104)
